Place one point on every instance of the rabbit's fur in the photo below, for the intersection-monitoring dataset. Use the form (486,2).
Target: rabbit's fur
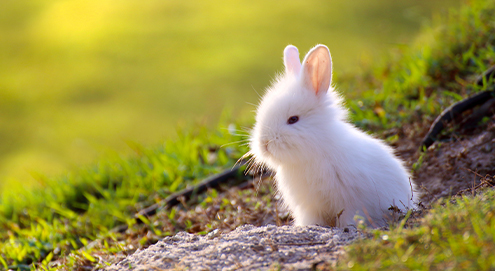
(326,169)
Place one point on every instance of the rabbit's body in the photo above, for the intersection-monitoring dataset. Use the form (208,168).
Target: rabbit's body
(327,170)
(355,179)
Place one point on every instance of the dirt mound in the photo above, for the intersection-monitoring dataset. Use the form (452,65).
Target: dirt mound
(246,248)
(450,167)
(462,157)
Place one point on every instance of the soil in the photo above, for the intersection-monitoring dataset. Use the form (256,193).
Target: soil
(460,160)
(451,167)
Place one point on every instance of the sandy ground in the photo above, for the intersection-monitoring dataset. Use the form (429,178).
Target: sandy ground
(246,248)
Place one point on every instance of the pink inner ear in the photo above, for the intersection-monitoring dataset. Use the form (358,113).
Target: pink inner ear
(291,60)
(318,69)
(314,74)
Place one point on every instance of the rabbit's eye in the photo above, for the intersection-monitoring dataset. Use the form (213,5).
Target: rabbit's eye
(292,120)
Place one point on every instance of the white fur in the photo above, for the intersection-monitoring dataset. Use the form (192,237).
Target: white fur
(324,164)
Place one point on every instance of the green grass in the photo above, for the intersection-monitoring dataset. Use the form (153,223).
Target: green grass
(456,235)
(66,213)
(66,222)
(438,70)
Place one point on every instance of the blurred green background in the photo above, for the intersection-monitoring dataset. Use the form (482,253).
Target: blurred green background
(79,78)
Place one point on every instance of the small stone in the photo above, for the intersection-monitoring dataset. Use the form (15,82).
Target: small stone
(257,248)
(487,148)
(213,234)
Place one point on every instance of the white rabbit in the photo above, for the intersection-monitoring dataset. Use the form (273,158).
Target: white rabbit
(326,169)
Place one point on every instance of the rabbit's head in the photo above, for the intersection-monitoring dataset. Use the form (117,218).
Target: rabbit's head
(294,118)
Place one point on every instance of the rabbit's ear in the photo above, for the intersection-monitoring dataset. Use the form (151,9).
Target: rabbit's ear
(291,60)
(317,69)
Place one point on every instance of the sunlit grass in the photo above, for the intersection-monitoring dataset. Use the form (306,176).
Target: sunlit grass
(441,68)
(60,215)
(453,236)
(82,77)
